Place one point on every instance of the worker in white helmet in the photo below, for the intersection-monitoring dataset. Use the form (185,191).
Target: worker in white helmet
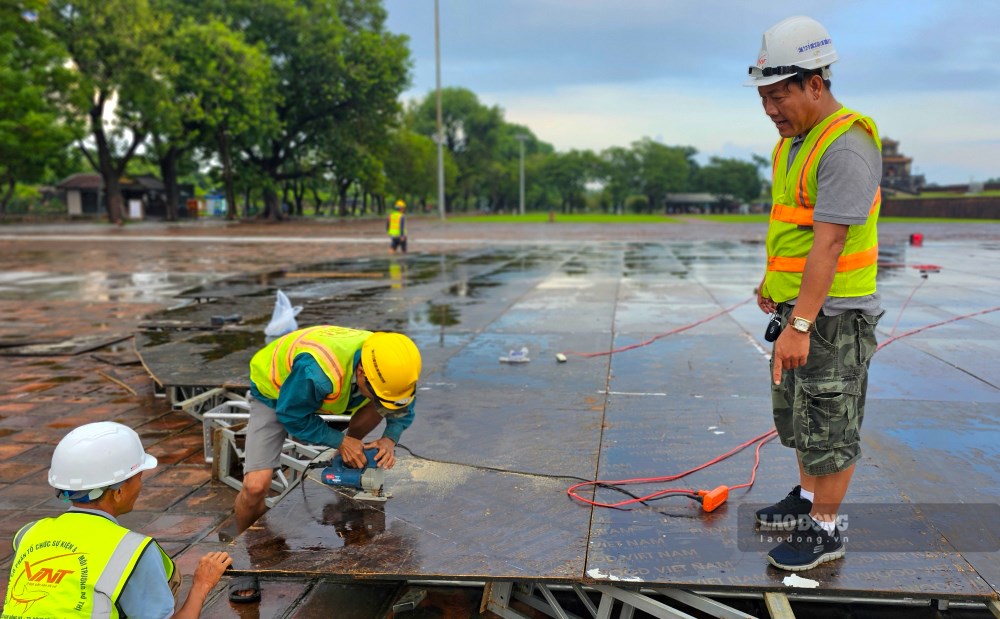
(83,563)
(819,282)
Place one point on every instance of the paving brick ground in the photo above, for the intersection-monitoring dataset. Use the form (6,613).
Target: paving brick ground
(55,287)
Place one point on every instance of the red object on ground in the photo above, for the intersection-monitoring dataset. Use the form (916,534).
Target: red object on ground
(916,239)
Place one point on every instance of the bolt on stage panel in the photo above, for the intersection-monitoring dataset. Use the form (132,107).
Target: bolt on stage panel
(922,507)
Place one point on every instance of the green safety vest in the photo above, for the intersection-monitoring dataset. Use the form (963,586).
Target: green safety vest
(333,348)
(75,565)
(790,233)
(395,224)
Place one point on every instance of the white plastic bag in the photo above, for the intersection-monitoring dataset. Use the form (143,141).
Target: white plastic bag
(283,318)
(516,356)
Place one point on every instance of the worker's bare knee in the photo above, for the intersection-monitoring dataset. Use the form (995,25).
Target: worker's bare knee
(256,484)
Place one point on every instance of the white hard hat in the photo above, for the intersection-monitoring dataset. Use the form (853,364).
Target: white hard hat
(97,455)
(790,45)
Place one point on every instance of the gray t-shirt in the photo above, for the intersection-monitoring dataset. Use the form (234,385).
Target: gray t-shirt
(848,176)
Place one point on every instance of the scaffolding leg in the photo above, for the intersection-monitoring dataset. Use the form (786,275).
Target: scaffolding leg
(224,429)
(778,606)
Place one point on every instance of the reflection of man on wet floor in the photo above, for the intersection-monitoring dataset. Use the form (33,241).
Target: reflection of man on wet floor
(325,370)
(355,524)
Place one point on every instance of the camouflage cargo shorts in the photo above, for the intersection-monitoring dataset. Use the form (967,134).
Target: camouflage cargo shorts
(818,408)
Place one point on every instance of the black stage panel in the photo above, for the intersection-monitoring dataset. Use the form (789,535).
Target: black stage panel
(658,409)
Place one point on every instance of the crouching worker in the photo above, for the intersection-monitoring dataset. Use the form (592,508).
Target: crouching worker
(323,370)
(83,563)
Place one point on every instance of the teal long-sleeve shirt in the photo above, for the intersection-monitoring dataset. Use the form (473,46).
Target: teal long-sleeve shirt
(302,394)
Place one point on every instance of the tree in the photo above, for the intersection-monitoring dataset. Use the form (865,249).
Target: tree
(341,74)
(663,169)
(411,166)
(34,85)
(568,175)
(224,91)
(114,48)
(471,133)
(619,169)
(732,177)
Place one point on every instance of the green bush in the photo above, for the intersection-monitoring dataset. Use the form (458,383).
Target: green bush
(636,204)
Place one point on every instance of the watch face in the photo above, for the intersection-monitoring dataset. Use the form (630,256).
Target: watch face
(800,324)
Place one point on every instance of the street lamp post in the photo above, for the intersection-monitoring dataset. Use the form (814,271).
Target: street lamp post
(440,131)
(521,138)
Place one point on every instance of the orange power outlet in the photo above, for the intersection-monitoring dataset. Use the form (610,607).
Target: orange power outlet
(712,499)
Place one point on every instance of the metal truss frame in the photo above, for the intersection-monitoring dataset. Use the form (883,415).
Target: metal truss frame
(656,601)
(223,436)
(196,401)
(498,596)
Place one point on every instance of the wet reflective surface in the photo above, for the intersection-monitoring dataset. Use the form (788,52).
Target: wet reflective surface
(148,287)
(654,410)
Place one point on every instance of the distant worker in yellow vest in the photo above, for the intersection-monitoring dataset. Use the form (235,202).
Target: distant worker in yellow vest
(395,227)
(83,563)
(324,370)
(819,282)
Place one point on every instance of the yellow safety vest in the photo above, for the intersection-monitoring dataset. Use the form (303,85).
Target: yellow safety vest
(75,565)
(395,224)
(333,349)
(790,233)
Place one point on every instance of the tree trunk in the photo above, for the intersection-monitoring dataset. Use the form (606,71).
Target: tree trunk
(246,202)
(298,193)
(342,197)
(272,204)
(222,139)
(7,195)
(168,169)
(319,203)
(105,163)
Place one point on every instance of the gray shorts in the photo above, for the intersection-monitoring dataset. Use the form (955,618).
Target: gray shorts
(265,438)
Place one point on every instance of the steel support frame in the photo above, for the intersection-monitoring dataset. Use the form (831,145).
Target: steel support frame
(223,429)
(498,596)
(196,401)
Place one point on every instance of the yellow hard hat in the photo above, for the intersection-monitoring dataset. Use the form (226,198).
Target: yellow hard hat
(400,204)
(392,366)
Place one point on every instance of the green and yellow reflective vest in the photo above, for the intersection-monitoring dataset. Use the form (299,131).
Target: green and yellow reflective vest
(333,349)
(75,565)
(395,224)
(790,233)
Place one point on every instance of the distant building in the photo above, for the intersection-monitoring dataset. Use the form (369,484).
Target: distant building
(701,203)
(144,196)
(83,194)
(896,174)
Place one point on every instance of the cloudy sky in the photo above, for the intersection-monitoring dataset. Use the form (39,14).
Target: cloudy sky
(598,73)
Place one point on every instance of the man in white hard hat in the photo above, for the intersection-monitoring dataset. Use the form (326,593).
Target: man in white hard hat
(822,253)
(83,563)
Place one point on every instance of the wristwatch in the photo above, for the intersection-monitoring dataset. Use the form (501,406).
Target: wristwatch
(801,324)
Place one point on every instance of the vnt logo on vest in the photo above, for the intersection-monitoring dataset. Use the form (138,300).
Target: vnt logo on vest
(34,581)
